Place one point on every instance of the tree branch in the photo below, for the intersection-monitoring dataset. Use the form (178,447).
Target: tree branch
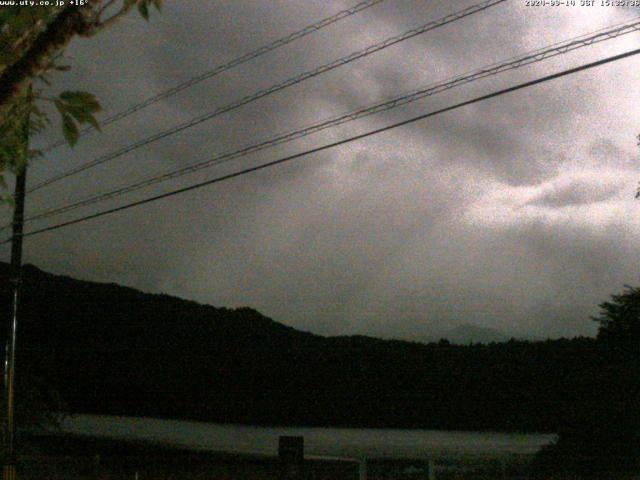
(105,7)
(101,25)
(27,33)
(70,22)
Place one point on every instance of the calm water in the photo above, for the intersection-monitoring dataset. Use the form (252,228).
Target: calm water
(340,442)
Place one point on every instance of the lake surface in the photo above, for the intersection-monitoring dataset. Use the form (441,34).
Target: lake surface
(338,442)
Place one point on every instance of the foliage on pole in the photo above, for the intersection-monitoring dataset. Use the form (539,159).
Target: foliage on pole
(32,44)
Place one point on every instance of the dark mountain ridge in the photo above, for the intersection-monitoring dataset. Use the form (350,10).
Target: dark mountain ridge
(468,333)
(114,350)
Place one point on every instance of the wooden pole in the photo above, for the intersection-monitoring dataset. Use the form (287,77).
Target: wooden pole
(9,469)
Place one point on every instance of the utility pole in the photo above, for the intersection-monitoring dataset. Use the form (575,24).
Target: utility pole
(9,468)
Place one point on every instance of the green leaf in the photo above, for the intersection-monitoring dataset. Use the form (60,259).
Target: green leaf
(7,57)
(6,15)
(69,129)
(23,20)
(76,107)
(93,122)
(36,112)
(78,114)
(143,8)
(33,153)
(82,116)
(8,199)
(85,100)
(62,107)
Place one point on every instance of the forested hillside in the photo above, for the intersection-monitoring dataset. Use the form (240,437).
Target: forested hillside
(114,350)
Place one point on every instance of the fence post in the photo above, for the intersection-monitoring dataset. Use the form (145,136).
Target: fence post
(432,470)
(291,456)
(362,470)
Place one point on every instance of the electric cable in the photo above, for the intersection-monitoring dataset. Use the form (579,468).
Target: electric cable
(328,146)
(314,27)
(493,69)
(273,89)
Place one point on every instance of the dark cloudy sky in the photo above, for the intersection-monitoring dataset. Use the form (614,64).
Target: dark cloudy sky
(517,213)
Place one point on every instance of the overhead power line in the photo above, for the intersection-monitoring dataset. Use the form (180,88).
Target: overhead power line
(334,144)
(273,89)
(493,69)
(314,27)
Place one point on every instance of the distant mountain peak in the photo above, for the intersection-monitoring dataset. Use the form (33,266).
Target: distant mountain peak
(467,333)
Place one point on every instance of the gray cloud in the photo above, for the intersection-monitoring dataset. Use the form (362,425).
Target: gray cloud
(577,193)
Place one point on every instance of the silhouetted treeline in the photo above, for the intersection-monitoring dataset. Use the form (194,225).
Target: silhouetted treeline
(113,350)
(602,438)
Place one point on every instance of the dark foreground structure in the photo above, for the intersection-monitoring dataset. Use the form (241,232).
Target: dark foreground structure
(83,458)
(97,348)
